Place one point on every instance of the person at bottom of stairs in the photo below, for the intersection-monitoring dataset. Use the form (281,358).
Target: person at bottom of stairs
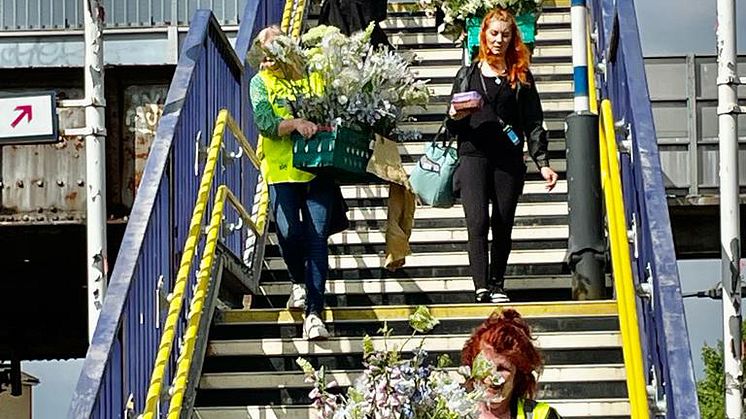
(303,204)
(490,147)
(504,340)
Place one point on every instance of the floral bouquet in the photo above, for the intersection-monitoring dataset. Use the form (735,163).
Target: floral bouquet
(458,12)
(392,387)
(347,82)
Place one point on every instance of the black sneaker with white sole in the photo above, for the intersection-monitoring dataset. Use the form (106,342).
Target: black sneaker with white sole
(498,295)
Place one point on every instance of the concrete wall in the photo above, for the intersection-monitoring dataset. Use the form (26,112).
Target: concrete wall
(16,407)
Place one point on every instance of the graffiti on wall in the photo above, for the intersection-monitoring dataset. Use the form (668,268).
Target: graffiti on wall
(143,107)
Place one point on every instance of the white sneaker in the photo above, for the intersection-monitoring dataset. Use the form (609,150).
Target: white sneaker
(499,296)
(297,297)
(314,328)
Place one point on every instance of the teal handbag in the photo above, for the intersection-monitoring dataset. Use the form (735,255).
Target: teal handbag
(432,176)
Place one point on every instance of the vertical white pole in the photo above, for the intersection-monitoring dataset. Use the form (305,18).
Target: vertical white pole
(95,160)
(578,13)
(730,235)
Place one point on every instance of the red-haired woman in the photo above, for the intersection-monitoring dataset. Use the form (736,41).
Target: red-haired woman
(505,340)
(490,147)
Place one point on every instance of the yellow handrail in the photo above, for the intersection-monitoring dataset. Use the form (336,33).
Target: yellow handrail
(197,307)
(620,259)
(292,17)
(195,229)
(622,266)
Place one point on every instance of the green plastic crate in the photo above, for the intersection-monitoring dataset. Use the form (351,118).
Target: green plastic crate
(526,23)
(342,154)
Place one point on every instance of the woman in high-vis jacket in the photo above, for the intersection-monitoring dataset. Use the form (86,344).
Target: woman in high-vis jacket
(505,340)
(302,202)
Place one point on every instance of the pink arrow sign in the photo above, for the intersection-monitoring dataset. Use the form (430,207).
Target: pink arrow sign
(26,111)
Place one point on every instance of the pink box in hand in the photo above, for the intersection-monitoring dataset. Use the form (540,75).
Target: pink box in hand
(469,101)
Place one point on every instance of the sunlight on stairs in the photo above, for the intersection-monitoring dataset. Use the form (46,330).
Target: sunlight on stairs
(250,370)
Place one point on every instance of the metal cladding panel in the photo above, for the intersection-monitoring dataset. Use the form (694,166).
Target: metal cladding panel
(65,14)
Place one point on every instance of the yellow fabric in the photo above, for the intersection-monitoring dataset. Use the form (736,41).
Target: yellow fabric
(399,226)
(276,153)
(385,162)
(541,410)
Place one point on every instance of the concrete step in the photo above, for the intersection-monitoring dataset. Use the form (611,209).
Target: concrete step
(431,127)
(455,55)
(449,71)
(337,346)
(382,191)
(517,257)
(568,409)
(524,210)
(433,235)
(548,105)
(419,285)
(443,90)
(345,378)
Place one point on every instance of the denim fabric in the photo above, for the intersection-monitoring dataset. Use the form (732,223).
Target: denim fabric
(302,214)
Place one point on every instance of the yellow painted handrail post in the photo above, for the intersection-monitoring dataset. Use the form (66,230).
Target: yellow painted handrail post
(287,15)
(622,267)
(185,266)
(198,304)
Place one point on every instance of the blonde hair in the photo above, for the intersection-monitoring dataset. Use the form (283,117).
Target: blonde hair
(256,56)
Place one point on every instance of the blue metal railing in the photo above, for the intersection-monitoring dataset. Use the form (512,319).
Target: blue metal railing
(209,77)
(664,335)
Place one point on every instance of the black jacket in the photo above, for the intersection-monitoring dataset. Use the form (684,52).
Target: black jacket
(530,114)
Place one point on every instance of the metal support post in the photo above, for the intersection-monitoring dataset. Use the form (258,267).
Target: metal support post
(578,15)
(730,235)
(96,257)
(586,247)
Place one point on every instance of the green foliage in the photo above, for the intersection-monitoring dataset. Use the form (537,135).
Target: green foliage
(711,389)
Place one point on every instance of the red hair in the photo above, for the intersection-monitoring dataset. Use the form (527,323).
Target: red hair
(517,57)
(508,334)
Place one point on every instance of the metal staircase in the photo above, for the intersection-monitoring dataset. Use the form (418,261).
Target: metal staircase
(226,363)
(250,366)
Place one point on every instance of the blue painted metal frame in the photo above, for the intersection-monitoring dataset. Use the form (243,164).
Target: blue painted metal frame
(663,324)
(209,76)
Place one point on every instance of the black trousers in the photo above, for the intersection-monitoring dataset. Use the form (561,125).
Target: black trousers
(481,182)
(351,16)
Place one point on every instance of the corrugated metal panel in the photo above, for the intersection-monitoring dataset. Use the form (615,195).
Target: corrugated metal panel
(64,14)
(684,94)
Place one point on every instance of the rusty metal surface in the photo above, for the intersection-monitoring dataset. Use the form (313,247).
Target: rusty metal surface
(45,183)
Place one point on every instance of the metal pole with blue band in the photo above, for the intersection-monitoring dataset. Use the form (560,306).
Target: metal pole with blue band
(578,14)
(586,245)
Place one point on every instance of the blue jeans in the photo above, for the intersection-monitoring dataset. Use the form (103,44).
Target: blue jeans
(302,214)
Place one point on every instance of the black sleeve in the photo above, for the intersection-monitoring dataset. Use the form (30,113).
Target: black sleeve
(532,121)
(454,126)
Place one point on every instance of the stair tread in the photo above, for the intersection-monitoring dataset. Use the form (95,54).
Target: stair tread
(283,379)
(347,345)
(606,408)
(422,285)
(402,312)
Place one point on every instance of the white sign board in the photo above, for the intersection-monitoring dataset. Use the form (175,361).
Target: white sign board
(28,119)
